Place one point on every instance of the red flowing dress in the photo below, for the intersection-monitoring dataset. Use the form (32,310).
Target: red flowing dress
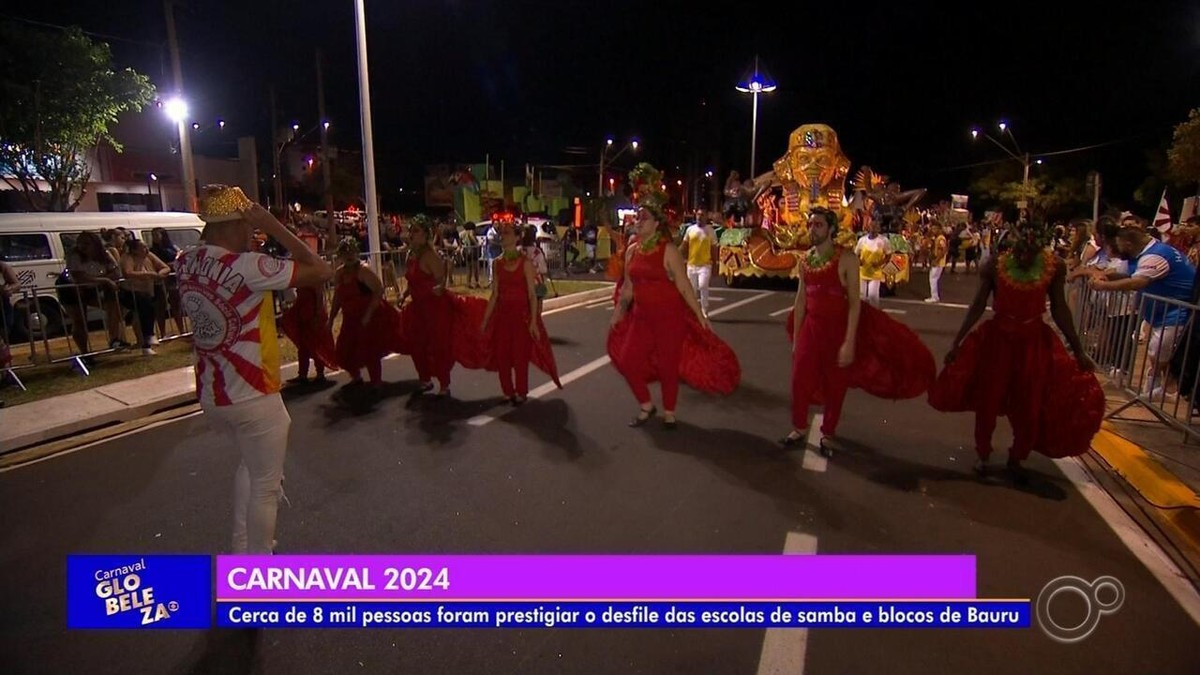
(360,346)
(1015,365)
(428,325)
(506,344)
(660,338)
(306,324)
(890,361)
(512,344)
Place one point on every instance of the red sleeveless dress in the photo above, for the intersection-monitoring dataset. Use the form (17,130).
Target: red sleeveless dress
(360,346)
(660,339)
(427,326)
(1015,365)
(890,361)
(306,324)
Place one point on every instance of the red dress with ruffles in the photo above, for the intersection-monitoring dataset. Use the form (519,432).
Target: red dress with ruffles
(306,324)
(660,338)
(427,326)
(1015,365)
(360,346)
(890,361)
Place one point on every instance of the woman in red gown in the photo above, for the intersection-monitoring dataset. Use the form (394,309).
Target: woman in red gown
(514,303)
(1014,364)
(428,323)
(306,324)
(369,325)
(839,343)
(659,332)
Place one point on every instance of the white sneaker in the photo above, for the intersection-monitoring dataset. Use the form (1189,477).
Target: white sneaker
(153,342)
(146,351)
(932,300)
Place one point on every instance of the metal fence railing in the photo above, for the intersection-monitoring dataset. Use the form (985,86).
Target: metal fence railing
(79,324)
(1149,346)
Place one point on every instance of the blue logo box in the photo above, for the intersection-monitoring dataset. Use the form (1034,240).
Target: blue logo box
(139,591)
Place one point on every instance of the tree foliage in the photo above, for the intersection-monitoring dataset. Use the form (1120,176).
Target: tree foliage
(59,94)
(1183,157)
(1049,194)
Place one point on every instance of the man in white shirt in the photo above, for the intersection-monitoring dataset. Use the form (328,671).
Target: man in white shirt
(873,251)
(699,242)
(226,291)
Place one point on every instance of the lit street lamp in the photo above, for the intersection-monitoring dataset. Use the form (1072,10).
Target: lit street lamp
(177,110)
(758,83)
(1021,157)
(603,152)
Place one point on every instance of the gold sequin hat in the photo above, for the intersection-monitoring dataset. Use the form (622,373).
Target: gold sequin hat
(222,204)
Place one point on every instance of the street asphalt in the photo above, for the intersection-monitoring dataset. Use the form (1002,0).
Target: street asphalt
(563,474)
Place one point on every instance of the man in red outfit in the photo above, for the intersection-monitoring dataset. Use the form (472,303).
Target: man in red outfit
(826,326)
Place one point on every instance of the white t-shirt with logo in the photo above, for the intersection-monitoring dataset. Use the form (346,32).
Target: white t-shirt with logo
(228,298)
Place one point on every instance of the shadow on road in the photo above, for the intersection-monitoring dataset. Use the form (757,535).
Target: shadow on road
(550,422)
(223,650)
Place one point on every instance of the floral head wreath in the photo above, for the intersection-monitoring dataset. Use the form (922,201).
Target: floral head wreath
(648,192)
(504,223)
(422,222)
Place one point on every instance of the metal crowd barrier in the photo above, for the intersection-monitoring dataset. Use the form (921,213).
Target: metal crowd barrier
(1149,346)
(57,322)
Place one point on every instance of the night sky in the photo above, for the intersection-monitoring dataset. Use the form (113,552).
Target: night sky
(901,83)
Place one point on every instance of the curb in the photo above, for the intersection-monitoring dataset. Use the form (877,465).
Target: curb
(581,298)
(1168,499)
(126,414)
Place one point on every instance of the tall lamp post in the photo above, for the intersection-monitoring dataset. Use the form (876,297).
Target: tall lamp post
(177,110)
(603,157)
(364,105)
(1021,157)
(757,83)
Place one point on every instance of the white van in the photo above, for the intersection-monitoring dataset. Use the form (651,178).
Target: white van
(35,244)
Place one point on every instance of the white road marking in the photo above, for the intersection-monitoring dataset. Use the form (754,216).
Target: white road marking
(896,311)
(605,302)
(952,305)
(781,312)
(1133,536)
(542,390)
(813,459)
(784,649)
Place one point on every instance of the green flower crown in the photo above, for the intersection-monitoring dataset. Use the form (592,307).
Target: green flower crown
(647,190)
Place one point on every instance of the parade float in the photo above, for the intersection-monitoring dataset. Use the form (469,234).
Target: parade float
(767,237)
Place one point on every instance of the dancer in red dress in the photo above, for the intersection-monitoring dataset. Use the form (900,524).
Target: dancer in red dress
(839,343)
(369,325)
(306,324)
(428,323)
(658,331)
(514,303)
(1014,364)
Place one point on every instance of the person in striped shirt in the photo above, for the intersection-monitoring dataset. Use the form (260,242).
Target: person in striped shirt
(226,291)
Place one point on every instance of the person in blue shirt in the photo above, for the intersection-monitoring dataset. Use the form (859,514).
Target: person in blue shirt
(1154,269)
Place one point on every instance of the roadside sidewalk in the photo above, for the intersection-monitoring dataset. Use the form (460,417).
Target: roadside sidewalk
(1154,474)
(53,418)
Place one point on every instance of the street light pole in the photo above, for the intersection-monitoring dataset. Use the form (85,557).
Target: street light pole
(364,95)
(758,83)
(185,140)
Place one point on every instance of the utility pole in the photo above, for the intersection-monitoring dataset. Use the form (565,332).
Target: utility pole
(364,105)
(275,150)
(185,139)
(325,169)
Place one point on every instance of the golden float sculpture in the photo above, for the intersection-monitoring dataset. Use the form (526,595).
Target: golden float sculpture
(811,174)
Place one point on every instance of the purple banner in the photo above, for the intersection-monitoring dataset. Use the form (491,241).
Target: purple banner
(596,577)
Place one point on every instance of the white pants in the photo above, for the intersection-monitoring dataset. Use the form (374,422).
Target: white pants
(258,428)
(869,291)
(935,276)
(700,275)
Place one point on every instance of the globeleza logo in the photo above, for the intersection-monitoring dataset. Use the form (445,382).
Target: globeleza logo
(1104,595)
(146,591)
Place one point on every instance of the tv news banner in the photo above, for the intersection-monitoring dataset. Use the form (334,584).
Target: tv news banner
(526,591)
